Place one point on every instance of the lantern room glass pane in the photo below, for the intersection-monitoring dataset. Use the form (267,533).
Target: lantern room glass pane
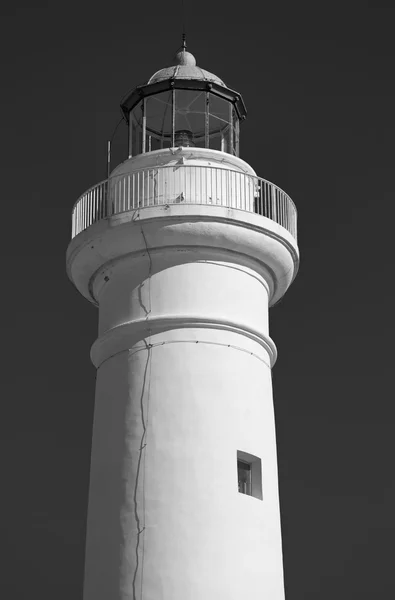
(220,124)
(159,115)
(158,118)
(219,107)
(136,124)
(189,118)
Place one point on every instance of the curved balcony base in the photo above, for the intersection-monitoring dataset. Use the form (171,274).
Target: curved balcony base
(207,232)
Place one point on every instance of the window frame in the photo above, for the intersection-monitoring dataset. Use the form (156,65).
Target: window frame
(255,465)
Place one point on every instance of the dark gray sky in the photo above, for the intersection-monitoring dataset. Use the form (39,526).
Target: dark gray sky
(318,83)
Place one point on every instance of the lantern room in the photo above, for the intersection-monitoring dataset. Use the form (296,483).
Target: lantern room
(183,106)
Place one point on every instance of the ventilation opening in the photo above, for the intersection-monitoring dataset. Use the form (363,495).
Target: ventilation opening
(249,474)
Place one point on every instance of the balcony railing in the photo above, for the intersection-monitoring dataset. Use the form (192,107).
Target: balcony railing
(183,184)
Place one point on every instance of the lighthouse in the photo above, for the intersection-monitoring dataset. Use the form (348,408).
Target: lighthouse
(183,249)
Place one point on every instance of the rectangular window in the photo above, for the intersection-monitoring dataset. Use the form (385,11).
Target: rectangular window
(244,477)
(249,474)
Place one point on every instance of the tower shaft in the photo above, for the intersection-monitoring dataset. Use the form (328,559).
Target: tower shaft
(183,384)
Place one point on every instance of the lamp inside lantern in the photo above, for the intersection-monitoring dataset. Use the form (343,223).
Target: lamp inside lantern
(183,137)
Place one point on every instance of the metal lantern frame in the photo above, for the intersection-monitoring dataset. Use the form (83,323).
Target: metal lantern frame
(138,99)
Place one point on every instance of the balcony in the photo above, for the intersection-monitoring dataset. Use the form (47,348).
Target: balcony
(184,184)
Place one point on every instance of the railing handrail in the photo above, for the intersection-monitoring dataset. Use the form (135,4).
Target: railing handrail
(275,204)
(180,166)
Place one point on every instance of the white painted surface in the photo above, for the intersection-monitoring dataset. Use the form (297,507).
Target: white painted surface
(219,231)
(184,381)
(202,539)
(192,156)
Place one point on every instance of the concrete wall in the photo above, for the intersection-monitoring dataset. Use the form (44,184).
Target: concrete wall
(166,520)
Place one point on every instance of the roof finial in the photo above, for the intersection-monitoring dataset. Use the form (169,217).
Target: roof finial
(184,43)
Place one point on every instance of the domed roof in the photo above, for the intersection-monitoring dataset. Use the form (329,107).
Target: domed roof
(184,67)
(182,74)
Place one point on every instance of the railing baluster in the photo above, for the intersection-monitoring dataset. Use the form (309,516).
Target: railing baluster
(96,204)
(247,199)
(132,195)
(123,195)
(280,199)
(87,210)
(199,189)
(263,185)
(280,206)
(83,213)
(198,179)
(122,182)
(143,186)
(265,199)
(160,176)
(271,202)
(286,211)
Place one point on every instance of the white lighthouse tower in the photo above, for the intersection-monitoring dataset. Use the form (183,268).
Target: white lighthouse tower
(183,249)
